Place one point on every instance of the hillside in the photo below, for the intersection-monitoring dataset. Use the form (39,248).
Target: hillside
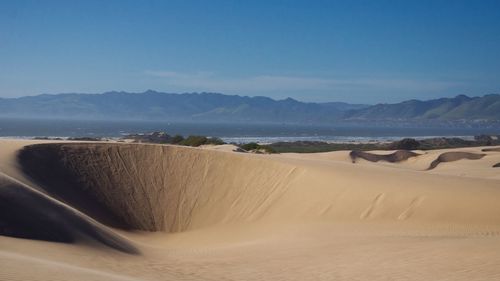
(214,107)
(152,105)
(458,108)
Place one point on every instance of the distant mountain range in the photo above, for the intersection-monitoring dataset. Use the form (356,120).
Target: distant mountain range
(213,107)
(458,108)
(152,105)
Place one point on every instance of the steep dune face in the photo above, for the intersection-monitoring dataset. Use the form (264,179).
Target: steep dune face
(398,156)
(495,149)
(244,216)
(156,188)
(174,189)
(454,156)
(26,213)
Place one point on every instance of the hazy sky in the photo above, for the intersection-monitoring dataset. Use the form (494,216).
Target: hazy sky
(354,51)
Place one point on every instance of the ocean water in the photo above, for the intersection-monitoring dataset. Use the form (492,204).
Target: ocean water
(239,133)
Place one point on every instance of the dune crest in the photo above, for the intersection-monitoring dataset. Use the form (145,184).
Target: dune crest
(177,189)
(454,156)
(155,188)
(26,213)
(397,156)
(495,149)
(205,214)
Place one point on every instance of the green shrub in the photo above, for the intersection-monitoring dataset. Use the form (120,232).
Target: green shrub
(268,149)
(177,139)
(214,141)
(194,141)
(250,146)
(255,146)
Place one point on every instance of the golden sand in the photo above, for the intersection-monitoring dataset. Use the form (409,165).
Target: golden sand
(111,211)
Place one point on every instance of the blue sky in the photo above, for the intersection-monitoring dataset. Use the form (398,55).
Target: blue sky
(353,51)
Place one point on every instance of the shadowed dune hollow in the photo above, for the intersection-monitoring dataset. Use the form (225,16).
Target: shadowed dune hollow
(153,188)
(493,149)
(454,156)
(245,216)
(74,191)
(27,213)
(398,156)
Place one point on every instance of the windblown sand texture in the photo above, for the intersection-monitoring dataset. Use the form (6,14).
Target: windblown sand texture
(104,211)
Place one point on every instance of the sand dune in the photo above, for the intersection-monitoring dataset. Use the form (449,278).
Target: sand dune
(497,149)
(26,213)
(153,212)
(154,188)
(454,156)
(397,156)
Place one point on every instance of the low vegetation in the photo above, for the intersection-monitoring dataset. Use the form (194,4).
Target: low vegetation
(257,148)
(200,140)
(318,146)
(305,146)
(404,144)
(164,138)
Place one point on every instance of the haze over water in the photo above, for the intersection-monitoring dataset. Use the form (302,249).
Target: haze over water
(27,128)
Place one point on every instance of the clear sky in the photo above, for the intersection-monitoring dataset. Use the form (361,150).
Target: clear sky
(353,51)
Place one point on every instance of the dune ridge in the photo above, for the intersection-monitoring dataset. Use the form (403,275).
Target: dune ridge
(209,214)
(397,156)
(154,188)
(26,213)
(496,149)
(176,189)
(454,156)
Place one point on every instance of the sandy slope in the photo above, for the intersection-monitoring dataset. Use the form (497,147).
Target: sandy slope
(212,214)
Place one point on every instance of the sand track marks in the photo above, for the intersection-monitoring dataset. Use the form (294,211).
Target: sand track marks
(411,208)
(371,208)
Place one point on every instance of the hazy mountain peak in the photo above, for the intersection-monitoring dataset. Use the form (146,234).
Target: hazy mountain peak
(216,107)
(460,107)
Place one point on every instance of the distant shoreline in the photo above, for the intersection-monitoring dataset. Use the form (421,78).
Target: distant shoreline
(269,140)
(277,145)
